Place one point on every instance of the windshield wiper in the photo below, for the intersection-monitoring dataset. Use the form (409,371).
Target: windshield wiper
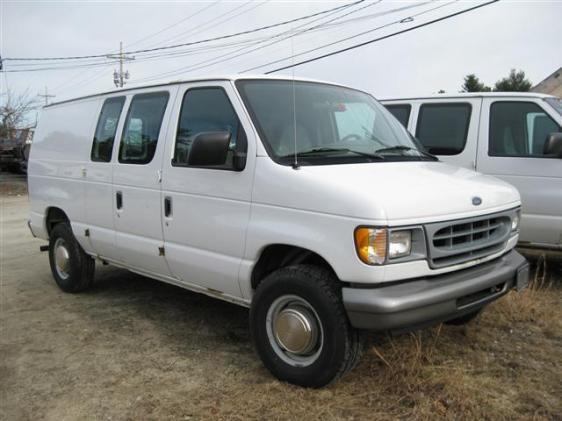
(320,151)
(406,148)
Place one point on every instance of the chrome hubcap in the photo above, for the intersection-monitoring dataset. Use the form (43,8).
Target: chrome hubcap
(294,330)
(62,258)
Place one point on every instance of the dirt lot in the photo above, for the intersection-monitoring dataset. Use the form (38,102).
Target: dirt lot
(134,348)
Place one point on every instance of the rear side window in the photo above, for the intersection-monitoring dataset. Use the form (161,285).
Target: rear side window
(142,128)
(207,110)
(401,112)
(519,129)
(106,129)
(443,128)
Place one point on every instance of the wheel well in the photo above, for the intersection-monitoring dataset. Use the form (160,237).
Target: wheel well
(55,216)
(276,256)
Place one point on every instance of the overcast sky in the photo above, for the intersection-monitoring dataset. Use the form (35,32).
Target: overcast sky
(488,41)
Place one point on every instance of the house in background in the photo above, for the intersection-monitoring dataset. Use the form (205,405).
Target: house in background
(552,85)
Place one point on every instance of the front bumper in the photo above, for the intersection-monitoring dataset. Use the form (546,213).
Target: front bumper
(426,301)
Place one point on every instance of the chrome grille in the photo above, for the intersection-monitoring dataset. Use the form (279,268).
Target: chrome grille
(455,242)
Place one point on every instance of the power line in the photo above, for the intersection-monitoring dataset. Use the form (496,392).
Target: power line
(237,53)
(215,21)
(158,56)
(352,47)
(146,50)
(339,41)
(174,25)
(70,63)
(219,59)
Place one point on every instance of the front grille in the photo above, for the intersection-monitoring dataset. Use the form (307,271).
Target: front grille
(460,241)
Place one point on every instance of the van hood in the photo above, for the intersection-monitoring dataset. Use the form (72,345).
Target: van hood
(384,192)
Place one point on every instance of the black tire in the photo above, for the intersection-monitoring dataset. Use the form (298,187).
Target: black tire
(80,269)
(467,318)
(341,344)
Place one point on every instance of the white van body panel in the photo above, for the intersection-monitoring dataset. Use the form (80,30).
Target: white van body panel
(223,220)
(56,172)
(539,180)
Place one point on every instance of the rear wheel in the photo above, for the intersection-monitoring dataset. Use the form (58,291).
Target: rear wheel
(300,328)
(72,268)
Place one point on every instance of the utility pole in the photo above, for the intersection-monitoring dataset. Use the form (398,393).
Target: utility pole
(46,96)
(120,77)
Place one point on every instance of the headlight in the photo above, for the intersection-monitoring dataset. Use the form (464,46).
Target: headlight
(371,245)
(515,220)
(400,244)
(374,245)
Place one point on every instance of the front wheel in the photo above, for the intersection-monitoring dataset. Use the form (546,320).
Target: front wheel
(300,328)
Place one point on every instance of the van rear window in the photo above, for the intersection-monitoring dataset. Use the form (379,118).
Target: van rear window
(401,112)
(142,128)
(443,128)
(106,129)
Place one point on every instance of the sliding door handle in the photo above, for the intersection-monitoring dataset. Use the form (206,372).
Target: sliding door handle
(167,206)
(119,200)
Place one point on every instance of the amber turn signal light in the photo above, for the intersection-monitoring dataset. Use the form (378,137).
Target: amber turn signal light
(371,245)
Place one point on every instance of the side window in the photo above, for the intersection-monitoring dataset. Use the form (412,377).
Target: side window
(207,110)
(106,129)
(401,112)
(142,127)
(443,128)
(519,129)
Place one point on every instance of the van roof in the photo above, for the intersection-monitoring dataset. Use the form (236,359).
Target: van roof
(194,79)
(472,95)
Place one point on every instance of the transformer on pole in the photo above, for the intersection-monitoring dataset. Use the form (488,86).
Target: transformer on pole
(120,77)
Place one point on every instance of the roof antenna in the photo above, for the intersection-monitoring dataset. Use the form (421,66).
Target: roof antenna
(295,162)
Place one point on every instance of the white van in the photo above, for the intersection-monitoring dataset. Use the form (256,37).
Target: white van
(305,201)
(514,136)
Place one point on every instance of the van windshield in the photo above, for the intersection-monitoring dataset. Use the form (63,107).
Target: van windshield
(327,124)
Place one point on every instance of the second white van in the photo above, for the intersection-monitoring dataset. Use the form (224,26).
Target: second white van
(513,136)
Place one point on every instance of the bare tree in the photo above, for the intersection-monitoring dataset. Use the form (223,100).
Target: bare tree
(14,111)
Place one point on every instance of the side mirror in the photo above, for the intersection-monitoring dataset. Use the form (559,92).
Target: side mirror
(209,149)
(553,145)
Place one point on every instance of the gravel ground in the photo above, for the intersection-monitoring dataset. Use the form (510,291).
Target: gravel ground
(134,348)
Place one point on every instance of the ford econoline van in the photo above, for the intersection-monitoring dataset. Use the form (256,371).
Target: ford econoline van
(307,202)
(513,136)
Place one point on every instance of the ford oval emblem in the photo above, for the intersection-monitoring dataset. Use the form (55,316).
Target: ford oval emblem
(476,201)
